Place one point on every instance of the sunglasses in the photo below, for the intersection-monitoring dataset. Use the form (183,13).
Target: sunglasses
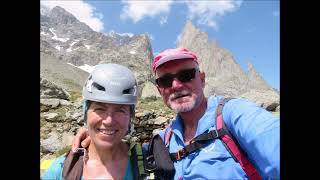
(183,76)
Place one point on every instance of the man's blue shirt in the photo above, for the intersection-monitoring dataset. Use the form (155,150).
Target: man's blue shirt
(256,130)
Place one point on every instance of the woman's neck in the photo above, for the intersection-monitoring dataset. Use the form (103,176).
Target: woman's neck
(114,153)
(108,163)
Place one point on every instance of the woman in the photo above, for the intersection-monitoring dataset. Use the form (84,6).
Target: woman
(110,96)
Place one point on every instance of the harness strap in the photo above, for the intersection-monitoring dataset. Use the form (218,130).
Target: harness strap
(73,166)
(167,135)
(233,147)
(197,143)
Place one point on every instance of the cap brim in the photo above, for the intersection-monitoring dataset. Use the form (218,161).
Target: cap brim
(172,57)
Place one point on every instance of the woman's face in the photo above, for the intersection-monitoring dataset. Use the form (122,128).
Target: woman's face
(107,123)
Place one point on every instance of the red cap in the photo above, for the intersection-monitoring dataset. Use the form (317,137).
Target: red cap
(172,54)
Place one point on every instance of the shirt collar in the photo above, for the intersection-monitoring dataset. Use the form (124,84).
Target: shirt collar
(206,122)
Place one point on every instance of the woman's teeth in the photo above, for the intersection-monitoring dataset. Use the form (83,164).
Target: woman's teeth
(107,132)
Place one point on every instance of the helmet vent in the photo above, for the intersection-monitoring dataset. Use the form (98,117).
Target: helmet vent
(99,87)
(126,91)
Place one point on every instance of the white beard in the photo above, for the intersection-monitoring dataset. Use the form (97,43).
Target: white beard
(183,106)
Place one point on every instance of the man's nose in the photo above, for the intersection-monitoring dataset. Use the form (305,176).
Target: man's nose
(176,83)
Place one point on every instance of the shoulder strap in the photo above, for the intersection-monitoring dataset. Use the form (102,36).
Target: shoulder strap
(73,166)
(158,159)
(232,145)
(167,135)
(137,161)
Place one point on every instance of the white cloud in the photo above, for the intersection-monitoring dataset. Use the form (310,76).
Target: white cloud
(207,12)
(163,20)
(275,13)
(137,10)
(83,11)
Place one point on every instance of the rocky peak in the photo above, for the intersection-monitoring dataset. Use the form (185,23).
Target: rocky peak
(255,81)
(62,16)
(65,38)
(224,75)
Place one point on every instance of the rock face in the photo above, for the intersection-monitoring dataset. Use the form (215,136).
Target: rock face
(71,41)
(149,90)
(223,75)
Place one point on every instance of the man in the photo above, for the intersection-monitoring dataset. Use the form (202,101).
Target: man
(181,84)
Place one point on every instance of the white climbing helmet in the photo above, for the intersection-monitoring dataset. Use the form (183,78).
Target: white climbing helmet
(111,83)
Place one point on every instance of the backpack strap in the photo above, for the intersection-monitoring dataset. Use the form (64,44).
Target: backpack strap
(197,143)
(232,146)
(158,159)
(73,165)
(137,161)
(167,135)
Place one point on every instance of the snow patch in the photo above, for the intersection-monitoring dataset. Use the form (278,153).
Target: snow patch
(43,33)
(71,64)
(58,48)
(55,37)
(84,67)
(87,46)
(74,43)
(132,52)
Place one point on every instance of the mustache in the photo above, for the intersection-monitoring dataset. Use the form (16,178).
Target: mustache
(179,93)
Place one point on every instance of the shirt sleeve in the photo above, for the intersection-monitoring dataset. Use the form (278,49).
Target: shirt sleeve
(54,172)
(258,133)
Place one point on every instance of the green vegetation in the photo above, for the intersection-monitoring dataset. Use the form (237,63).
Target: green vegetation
(43,122)
(71,84)
(75,95)
(62,151)
(276,113)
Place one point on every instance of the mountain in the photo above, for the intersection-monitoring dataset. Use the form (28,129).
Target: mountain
(224,75)
(62,74)
(67,39)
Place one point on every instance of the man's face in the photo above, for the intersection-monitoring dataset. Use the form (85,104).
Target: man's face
(181,96)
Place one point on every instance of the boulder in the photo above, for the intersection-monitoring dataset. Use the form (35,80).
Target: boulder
(51,144)
(265,98)
(50,90)
(52,103)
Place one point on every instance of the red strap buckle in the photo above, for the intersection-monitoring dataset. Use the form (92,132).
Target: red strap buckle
(181,153)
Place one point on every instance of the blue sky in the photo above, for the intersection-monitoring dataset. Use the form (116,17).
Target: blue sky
(250,30)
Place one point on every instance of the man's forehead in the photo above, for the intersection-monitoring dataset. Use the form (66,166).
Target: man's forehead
(174,66)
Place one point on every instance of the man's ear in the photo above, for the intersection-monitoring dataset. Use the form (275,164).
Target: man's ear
(158,89)
(203,78)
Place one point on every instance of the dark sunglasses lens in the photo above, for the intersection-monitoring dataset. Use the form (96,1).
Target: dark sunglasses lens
(186,75)
(165,81)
